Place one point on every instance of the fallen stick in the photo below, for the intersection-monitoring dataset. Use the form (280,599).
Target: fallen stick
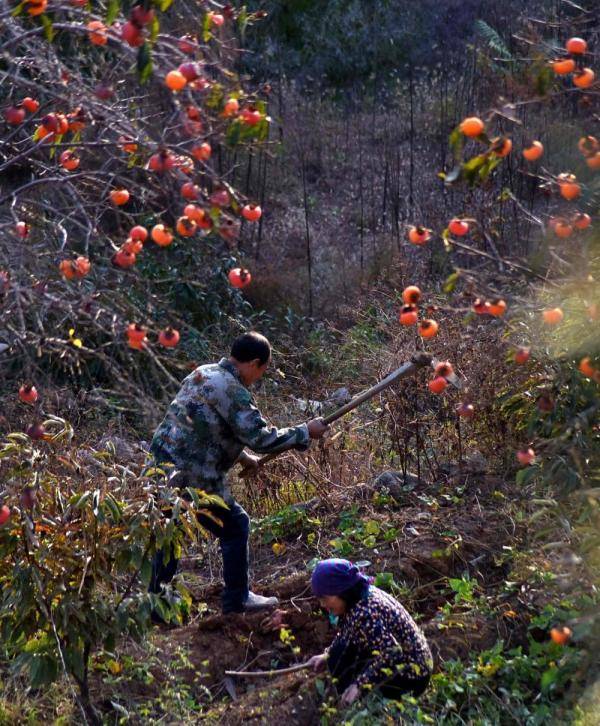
(269,674)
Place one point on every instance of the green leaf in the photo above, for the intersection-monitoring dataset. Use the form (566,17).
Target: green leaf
(112,11)
(456,141)
(144,63)
(43,669)
(49,31)
(549,677)
(165,5)
(450,282)
(154,28)
(18,10)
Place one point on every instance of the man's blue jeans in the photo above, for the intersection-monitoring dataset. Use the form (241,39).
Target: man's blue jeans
(233,538)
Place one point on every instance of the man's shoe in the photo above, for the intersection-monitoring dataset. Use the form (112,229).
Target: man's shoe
(258,602)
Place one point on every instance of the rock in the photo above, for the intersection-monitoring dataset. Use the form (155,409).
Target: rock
(340,396)
(396,482)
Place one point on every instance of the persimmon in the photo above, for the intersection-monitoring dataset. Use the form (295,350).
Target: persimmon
(251,116)
(168,338)
(135,246)
(161,235)
(526,457)
(141,16)
(501,146)
(163,160)
(411,295)
(418,235)
(534,152)
(569,188)
(128,144)
(119,197)
(593,162)
(584,78)
(561,635)
(4,515)
(231,107)
(408,315)
(138,233)
(438,384)
(202,152)
(123,258)
(189,190)
(36,7)
(239,277)
(229,229)
(215,19)
(588,145)
(136,336)
(205,221)
(188,44)
(497,307)
(32,105)
(132,34)
(55,123)
(458,227)
(444,368)
(76,120)
(28,393)
(14,115)
(563,66)
(553,316)
(175,81)
(189,70)
(582,220)
(251,212)
(97,32)
(191,211)
(465,410)
(576,46)
(586,367)
(562,228)
(472,126)
(36,431)
(427,328)
(185,227)
(481,307)
(69,160)
(75,269)
(22,229)
(522,355)
(220,198)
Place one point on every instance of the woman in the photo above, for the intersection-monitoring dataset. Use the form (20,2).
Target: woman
(378,644)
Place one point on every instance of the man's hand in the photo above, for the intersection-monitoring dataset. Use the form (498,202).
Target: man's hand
(317,428)
(350,694)
(318,662)
(250,464)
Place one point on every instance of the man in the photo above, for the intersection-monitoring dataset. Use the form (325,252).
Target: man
(203,434)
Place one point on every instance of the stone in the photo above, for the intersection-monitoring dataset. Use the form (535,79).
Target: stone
(396,482)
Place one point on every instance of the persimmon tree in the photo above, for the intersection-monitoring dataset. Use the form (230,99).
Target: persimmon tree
(122,125)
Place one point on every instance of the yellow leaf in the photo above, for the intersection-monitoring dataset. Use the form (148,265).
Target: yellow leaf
(77,342)
(71,332)
(278,548)
(114,667)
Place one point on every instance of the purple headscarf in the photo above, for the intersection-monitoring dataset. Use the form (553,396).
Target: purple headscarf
(335,576)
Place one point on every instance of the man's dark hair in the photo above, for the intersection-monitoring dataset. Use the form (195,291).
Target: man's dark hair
(250,346)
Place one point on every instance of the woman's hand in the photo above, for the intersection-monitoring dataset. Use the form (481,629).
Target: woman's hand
(350,694)
(318,662)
